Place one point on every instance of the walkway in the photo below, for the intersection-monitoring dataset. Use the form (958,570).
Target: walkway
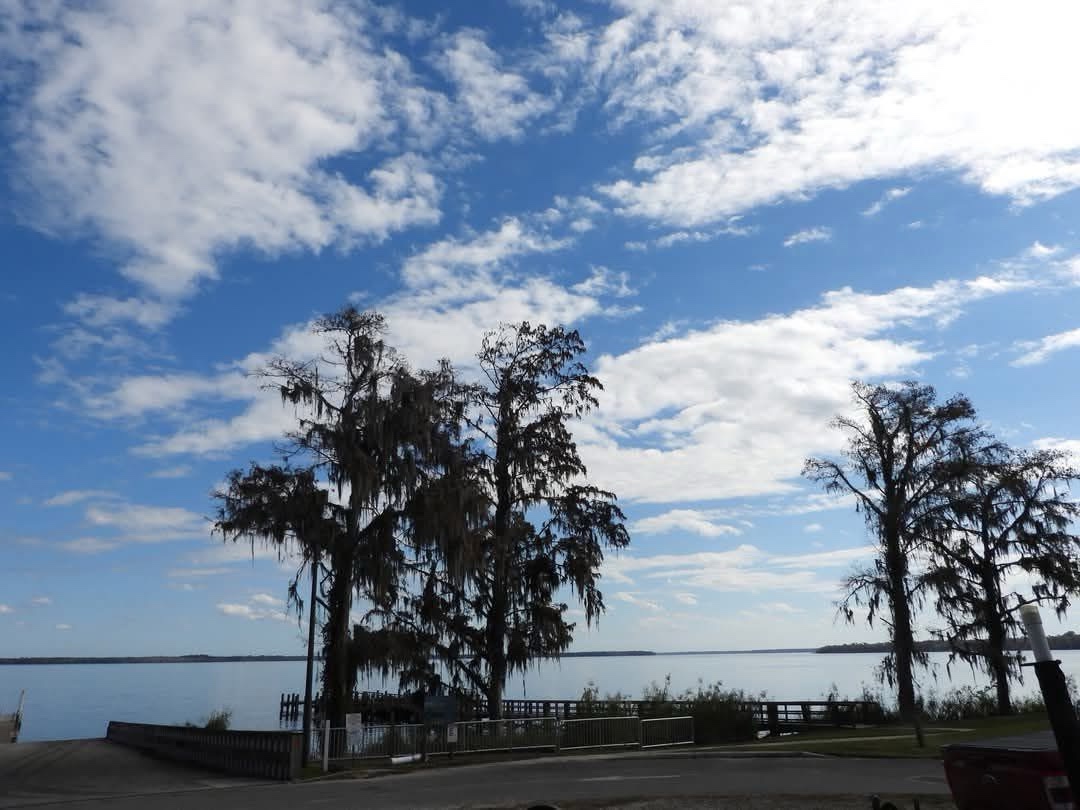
(37,773)
(597,781)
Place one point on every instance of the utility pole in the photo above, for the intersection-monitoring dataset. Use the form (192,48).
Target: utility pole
(312,604)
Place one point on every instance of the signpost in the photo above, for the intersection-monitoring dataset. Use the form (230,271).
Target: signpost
(354,731)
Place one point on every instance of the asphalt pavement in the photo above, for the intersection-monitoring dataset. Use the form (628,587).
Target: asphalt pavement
(42,773)
(596,781)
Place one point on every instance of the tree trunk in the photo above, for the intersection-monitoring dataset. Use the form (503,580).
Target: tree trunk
(902,636)
(996,659)
(496,619)
(336,665)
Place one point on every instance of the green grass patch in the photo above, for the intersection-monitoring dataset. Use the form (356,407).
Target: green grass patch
(899,741)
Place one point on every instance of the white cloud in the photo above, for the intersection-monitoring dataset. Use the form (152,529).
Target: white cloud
(181,573)
(889,196)
(255,610)
(733,410)
(88,545)
(1039,351)
(686,598)
(148,524)
(455,290)
(772,609)
(499,102)
(1040,251)
(63,627)
(813,527)
(684,520)
(75,496)
(5,476)
(806,235)
(6,609)
(1069,446)
(786,99)
(743,569)
(41,601)
(179,471)
(212,132)
(824,559)
(634,599)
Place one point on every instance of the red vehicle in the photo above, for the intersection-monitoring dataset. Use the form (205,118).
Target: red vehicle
(1008,773)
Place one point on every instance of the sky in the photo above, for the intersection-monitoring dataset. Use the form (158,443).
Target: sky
(742,206)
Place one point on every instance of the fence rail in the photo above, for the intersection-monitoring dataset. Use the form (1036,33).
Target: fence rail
(665,731)
(478,736)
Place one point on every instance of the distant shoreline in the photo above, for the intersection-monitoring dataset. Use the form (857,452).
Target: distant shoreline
(225,659)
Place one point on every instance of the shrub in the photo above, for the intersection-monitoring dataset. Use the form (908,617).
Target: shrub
(219,720)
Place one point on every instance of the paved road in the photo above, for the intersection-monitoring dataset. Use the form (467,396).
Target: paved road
(596,780)
(47,772)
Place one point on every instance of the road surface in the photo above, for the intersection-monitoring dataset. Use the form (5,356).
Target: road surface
(592,780)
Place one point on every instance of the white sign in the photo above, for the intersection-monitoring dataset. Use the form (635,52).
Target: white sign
(354,730)
(451,733)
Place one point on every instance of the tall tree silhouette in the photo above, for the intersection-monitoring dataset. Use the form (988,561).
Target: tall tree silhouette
(546,528)
(383,439)
(279,506)
(1011,514)
(900,465)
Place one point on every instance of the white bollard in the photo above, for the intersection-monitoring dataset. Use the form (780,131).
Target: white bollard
(1040,647)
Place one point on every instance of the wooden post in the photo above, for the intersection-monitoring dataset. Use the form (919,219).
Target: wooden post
(774,719)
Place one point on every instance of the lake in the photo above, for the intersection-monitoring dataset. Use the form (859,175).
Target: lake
(71,701)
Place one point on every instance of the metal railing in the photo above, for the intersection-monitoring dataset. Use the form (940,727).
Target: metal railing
(600,732)
(478,736)
(664,731)
(369,742)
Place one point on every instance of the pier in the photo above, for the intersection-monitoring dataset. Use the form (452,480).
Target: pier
(11,723)
(776,717)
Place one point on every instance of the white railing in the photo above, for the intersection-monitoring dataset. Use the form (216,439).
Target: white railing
(664,731)
(600,732)
(416,741)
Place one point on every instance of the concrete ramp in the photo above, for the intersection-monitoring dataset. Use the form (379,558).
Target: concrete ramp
(44,772)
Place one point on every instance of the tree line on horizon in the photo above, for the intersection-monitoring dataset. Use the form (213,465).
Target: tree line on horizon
(442,522)
(959,521)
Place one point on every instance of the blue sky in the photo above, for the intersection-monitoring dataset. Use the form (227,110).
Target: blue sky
(741,207)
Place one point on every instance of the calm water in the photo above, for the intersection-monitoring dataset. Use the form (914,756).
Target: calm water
(72,701)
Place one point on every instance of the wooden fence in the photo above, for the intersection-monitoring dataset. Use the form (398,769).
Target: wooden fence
(776,717)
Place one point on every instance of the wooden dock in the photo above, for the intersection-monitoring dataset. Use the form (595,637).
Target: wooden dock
(11,723)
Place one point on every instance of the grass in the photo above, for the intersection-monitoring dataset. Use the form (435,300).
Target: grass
(899,741)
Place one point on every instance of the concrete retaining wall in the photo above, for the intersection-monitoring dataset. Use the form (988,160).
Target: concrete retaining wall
(266,754)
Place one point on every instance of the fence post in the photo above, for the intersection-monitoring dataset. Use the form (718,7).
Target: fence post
(325,745)
(640,735)
(558,733)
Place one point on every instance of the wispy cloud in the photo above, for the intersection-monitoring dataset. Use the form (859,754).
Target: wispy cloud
(691,521)
(1039,351)
(818,234)
(74,496)
(6,609)
(41,601)
(5,476)
(179,471)
(744,122)
(743,569)
(889,196)
(636,601)
(63,627)
(257,608)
